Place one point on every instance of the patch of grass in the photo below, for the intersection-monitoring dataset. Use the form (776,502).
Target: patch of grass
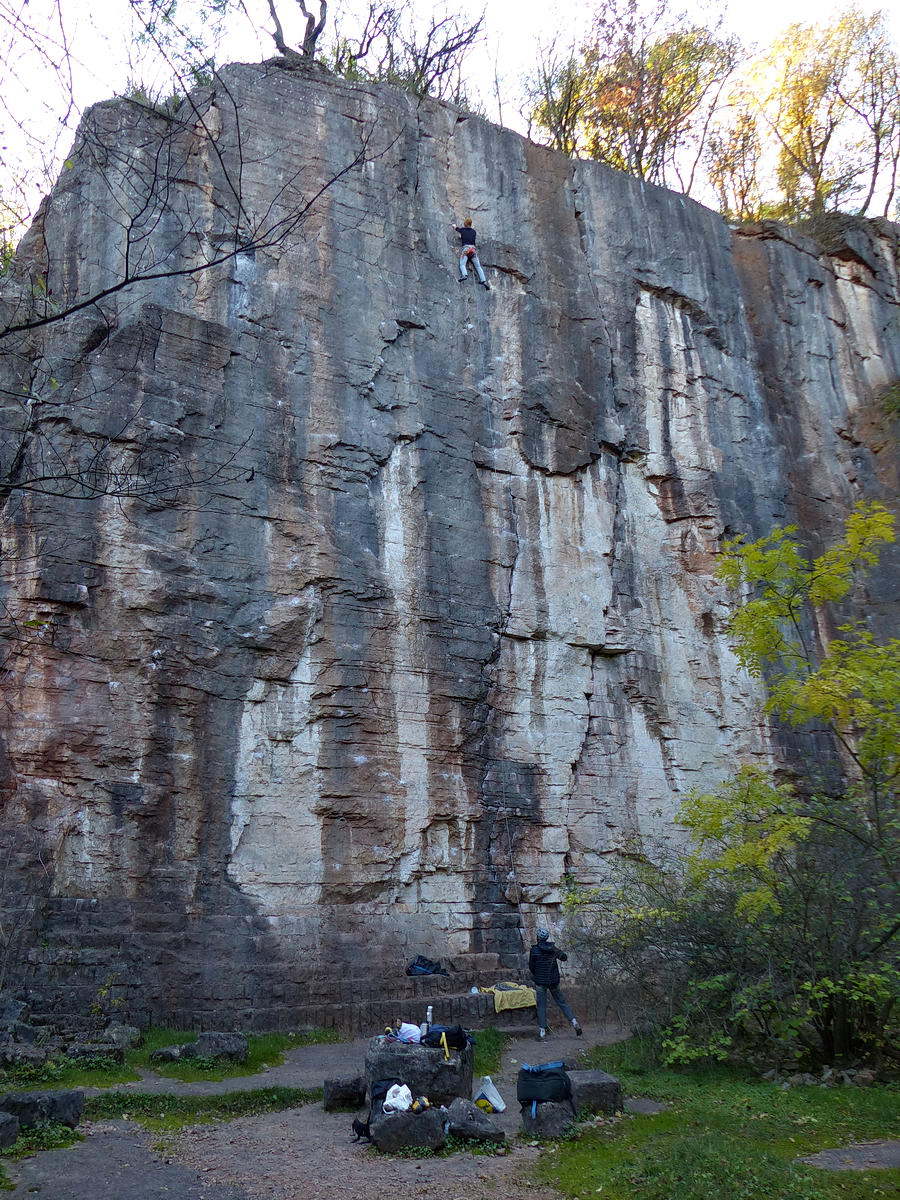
(727,1134)
(489,1046)
(48,1135)
(6,1184)
(63,1072)
(264,1050)
(169,1112)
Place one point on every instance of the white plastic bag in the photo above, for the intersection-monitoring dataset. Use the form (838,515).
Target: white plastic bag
(409,1033)
(398,1099)
(487,1091)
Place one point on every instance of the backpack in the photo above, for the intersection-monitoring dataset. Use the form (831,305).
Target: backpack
(425,966)
(457,1038)
(548,1081)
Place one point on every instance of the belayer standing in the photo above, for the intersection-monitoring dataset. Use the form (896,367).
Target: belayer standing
(468,253)
(543,963)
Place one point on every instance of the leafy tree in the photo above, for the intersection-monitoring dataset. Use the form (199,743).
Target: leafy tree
(733,159)
(828,96)
(557,94)
(778,927)
(653,81)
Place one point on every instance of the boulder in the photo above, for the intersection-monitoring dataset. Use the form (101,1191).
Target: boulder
(20,1054)
(231,1046)
(79,1050)
(468,1121)
(31,1108)
(595,1091)
(552,1119)
(12,1012)
(21,1032)
(166,1054)
(126,1036)
(423,1069)
(9,1129)
(347,1092)
(396,1131)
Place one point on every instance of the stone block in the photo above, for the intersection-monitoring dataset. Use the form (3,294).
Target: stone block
(11,1011)
(96,1050)
(424,1070)
(347,1092)
(231,1046)
(9,1129)
(468,1121)
(595,1091)
(396,1131)
(30,1108)
(126,1036)
(552,1119)
(21,1054)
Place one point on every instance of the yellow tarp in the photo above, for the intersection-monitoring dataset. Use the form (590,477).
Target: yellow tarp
(511,995)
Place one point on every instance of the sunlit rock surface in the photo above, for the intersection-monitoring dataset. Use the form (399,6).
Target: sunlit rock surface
(443,629)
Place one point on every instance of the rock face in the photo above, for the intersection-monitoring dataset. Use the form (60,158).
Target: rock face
(349,1091)
(551,1119)
(425,1072)
(437,624)
(400,1131)
(466,1120)
(31,1108)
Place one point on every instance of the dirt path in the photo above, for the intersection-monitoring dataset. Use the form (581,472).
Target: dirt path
(300,1154)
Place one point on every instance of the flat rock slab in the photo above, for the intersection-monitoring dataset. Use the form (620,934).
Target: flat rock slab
(865,1156)
(114,1162)
(638,1106)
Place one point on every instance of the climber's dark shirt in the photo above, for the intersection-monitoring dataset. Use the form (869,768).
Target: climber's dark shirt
(466,234)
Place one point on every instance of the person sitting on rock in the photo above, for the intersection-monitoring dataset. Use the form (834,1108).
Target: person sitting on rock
(543,963)
(468,253)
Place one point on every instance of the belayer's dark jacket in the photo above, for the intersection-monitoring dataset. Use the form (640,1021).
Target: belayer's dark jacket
(542,963)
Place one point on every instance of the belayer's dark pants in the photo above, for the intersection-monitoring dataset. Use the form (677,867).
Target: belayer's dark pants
(542,1005)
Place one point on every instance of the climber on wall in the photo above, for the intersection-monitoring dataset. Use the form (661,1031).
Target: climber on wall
(469,253)
(543,963)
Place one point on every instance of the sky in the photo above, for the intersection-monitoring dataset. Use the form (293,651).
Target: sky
(105,62)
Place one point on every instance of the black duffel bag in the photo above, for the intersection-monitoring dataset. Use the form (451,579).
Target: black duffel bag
(548,1081)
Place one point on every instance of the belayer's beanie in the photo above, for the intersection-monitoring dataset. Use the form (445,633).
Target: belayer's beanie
(543,935)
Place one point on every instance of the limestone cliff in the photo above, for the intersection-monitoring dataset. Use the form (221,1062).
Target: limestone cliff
(443,628)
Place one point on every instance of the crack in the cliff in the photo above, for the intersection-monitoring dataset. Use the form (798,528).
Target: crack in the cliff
(487,681)
(582,243)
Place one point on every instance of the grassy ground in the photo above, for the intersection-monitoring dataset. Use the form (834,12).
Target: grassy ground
(264,1050)
(167,1112)
(489,1046)
(727,1136)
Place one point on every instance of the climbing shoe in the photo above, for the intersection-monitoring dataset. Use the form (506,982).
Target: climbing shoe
(578,1030)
